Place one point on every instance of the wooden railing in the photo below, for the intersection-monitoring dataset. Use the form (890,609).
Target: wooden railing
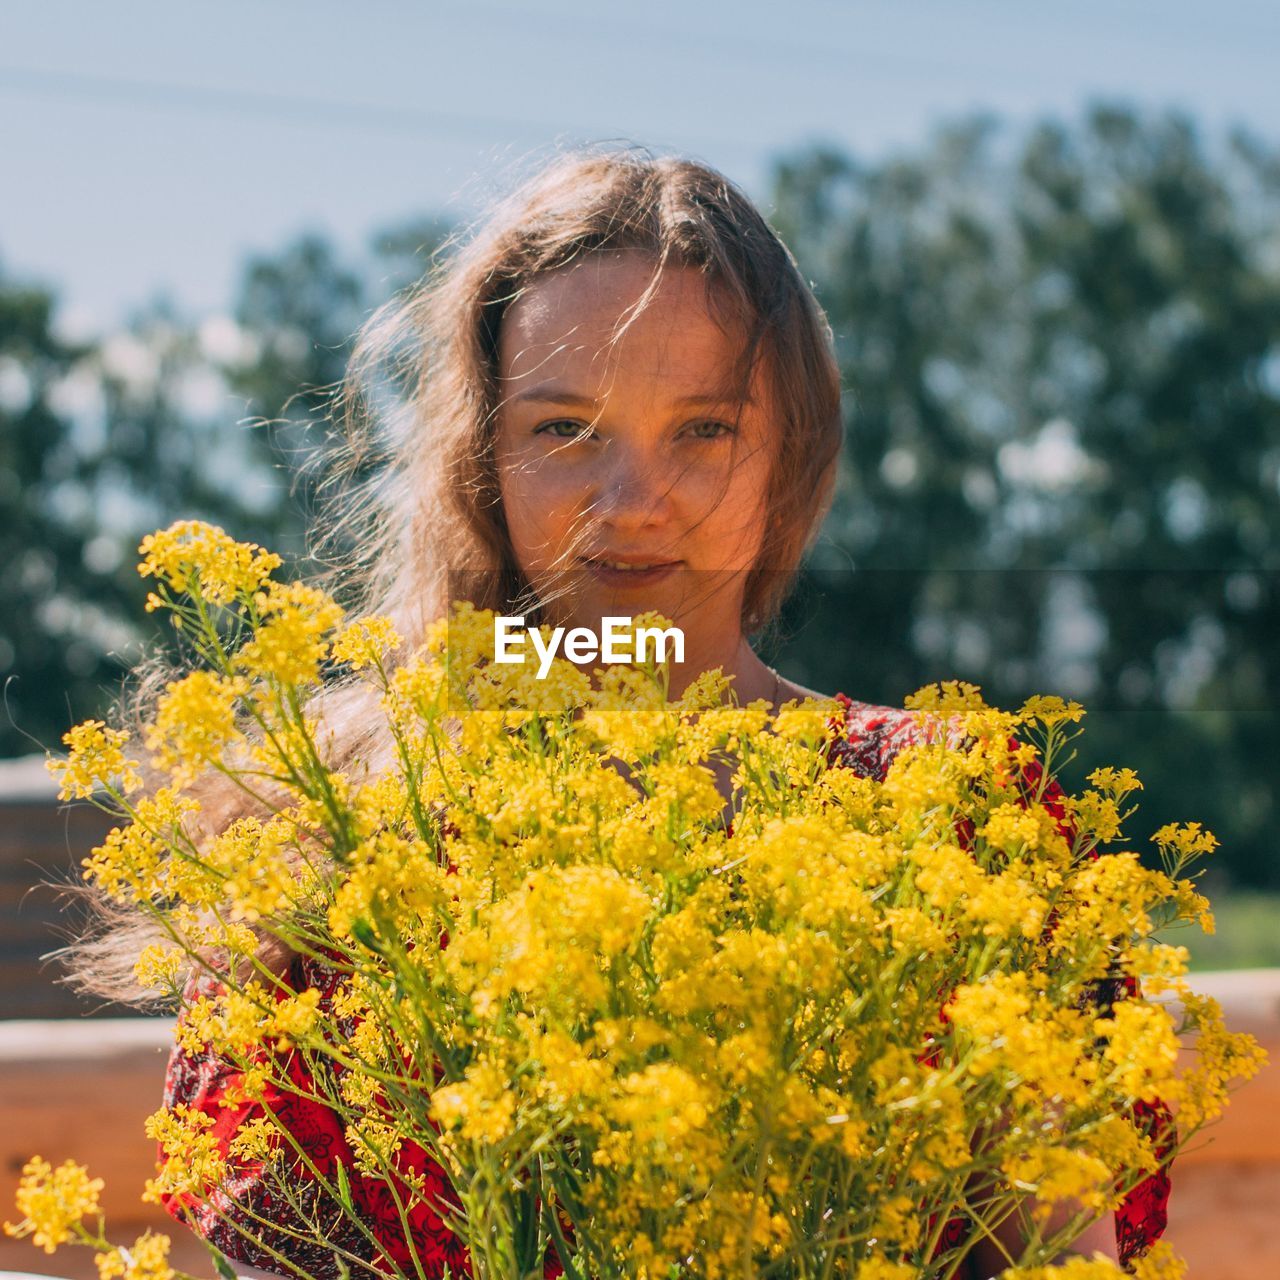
(42,844)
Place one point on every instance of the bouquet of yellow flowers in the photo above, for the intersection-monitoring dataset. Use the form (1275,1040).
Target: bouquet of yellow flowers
(599,1027)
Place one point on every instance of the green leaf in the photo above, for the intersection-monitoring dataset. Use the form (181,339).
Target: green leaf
(222,1265)
(344,1188)
(363,933)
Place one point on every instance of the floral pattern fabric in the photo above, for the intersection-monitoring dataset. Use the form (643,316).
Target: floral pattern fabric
(865,738)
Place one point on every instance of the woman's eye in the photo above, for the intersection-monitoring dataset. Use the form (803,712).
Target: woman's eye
(568,429)
(711,430)
(575,429)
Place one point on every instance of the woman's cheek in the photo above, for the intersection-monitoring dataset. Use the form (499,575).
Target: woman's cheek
(541,519)
(741,497)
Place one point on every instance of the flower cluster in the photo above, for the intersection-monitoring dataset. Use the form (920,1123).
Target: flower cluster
(718,1038)
(53,1202)
(198,559)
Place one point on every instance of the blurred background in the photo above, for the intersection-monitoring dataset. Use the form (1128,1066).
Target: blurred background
(1047,238)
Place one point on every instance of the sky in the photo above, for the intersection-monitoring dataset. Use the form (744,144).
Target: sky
(149,147)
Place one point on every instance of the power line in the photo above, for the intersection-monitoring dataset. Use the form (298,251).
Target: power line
(305,111)
(816,53)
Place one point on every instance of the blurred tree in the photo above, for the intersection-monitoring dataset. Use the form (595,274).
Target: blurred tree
(302,309)
(103,441)
(60,619)
(1063,449)
(222,419)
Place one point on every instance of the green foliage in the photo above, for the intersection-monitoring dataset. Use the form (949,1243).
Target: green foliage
(101,441)
(56,626)
(1245,935)
(1063,440)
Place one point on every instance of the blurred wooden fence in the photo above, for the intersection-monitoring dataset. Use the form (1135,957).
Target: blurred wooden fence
(42,843)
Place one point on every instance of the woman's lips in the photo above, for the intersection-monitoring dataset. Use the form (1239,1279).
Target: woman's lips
(615,577)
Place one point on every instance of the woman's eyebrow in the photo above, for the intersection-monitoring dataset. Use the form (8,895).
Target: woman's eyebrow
(552,393)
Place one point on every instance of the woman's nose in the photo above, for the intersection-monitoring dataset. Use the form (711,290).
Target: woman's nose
(636,489)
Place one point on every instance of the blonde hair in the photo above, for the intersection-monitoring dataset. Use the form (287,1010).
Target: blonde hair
(413,493)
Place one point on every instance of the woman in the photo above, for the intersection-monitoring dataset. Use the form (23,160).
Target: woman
(622,396)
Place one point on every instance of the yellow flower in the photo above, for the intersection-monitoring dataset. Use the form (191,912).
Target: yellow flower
(914,932)
(1160,1263)
(53,1202)
(1050,710)
(194,721)
(853,1137)
(898,1221)
(257,1139)
(1008,1026)
(1117,1141)
(1053,1174)
(480,1106)
(398,878)
(159,965)
(746,1057)
(1096,813)
(1142,1045)
(632,733)
(946,697)
(1107,897)
(1013,828)
(661,1105)
(231,1022)
(684,791)
(1116,782)
(198,558)
(882,1268)
(947,874)
(366,642)
(289,645)
(1181,844)
(193,1163)
(1075,1267)
(295,1017)
(96,760)
(700,1016)
(1006,903)
(1159,966)
(1221,1056)
(805,720)
(256,863)
(147,1259)
(131,865)
(416,692)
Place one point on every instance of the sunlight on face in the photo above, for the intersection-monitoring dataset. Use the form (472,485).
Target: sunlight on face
(625,453)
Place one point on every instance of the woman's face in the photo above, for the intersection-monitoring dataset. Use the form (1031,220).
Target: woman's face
(625,454)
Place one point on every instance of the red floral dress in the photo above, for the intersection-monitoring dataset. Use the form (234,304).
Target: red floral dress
(865,738)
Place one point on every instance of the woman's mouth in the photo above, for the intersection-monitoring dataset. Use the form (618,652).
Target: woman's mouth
(633,573)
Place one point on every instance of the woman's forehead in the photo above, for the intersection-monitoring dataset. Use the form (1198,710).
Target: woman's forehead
(569,320)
